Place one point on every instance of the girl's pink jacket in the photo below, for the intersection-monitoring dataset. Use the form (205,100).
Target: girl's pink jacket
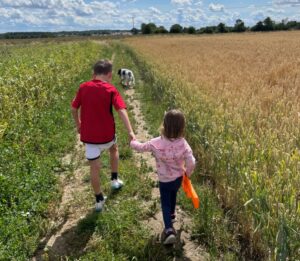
(173,157)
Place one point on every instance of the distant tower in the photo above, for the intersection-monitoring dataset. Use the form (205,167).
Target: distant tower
(132,22)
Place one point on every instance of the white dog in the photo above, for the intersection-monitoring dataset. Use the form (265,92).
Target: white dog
(127,77)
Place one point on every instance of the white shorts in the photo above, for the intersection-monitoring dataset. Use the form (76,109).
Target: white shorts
(93,151)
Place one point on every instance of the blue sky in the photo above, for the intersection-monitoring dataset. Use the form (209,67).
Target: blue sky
(58,15)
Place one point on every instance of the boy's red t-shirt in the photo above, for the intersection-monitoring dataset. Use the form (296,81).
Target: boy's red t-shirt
(95,99)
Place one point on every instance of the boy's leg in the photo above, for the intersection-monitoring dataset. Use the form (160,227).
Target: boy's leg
(95,177)
(93,152)
(116,183)
(95,181)
(114,158)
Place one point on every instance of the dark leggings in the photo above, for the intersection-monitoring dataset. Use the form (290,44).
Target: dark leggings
(168,192)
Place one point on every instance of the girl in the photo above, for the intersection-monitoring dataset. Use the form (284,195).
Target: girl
(174,158)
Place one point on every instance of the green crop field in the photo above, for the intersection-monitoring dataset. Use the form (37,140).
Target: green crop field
(36,85)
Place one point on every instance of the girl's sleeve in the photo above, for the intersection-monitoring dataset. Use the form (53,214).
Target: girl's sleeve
(190,161)
(141,147)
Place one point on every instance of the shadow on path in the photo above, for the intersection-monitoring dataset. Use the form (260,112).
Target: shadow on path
(156,251)
(72,242)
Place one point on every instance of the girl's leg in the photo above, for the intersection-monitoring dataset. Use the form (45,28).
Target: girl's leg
(177,184)
(165,199)
(173,202)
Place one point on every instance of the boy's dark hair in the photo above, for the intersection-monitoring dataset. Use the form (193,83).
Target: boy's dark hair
(174,124)
(103,66)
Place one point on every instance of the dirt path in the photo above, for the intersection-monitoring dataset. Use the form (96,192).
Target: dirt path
(191,251)
(62,239)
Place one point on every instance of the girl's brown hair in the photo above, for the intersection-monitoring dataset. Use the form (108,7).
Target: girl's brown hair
(174,124)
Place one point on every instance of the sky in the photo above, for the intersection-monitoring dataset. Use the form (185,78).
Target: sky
(69,15)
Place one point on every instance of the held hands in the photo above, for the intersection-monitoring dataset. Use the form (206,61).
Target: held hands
(131,136)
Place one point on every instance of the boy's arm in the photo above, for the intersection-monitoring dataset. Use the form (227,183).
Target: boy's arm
(124,117)
(76,118)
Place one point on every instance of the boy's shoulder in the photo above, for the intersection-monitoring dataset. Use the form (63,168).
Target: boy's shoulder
(97,83)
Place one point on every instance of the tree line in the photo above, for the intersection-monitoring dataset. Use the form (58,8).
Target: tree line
(29,35)
(266,25)
(262,26)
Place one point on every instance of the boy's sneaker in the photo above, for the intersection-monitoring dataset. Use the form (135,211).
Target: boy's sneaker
(116,184)
(169,237)
(100,205)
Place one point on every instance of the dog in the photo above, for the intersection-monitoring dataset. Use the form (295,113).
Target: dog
(127,77)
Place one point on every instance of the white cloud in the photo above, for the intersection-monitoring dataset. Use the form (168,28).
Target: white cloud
(181,2)
(275,11)
(84,11)
(286,2)
(259,15)
(216,7)
(104,5)
(154,10)
(42,4)
(54,15)
(128,1)
(11,14)
(199,3)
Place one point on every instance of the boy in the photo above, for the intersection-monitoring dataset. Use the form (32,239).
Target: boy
(96,124)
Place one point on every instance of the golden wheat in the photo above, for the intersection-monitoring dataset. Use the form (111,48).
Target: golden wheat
(252,82)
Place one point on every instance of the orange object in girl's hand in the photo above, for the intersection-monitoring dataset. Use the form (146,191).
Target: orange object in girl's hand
(189,191)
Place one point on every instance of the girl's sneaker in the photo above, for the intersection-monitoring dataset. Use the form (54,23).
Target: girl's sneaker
(169,237)
(100,205)
(116,184)
(173,218)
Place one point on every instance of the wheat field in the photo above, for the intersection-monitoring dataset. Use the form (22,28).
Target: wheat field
(241,91)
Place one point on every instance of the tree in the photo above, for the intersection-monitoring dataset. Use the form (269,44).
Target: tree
(176,28)
(191,30)
(134,31)
(161,30)
(208,30)
(221,28)
(239,26)
(148,28)
(258,27)
(281,26)
(268,24)
(293,25)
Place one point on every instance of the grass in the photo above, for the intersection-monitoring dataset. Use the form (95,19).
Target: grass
(36,88)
